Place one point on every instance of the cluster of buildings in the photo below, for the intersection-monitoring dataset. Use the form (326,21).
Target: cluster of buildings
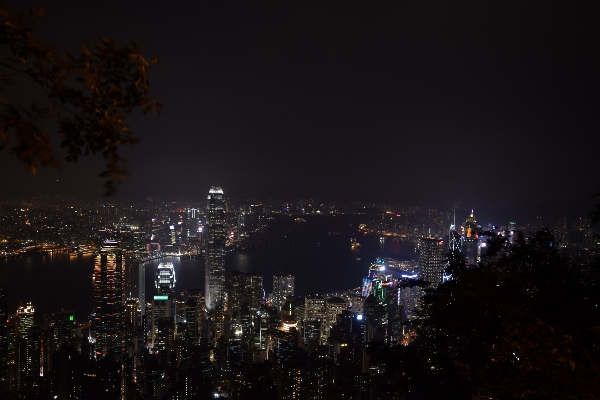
(228,339)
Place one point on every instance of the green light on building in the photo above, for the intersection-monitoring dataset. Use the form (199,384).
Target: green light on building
(161,297)
(71,317)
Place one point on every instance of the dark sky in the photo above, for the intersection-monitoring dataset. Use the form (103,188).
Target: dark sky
(493,104)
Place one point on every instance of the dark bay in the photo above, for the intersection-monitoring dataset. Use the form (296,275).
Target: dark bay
(318,252)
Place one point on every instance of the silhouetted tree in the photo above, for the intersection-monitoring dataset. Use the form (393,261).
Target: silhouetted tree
(521,325)
(89,96)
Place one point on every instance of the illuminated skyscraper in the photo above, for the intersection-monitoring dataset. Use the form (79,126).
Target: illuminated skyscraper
(431,260)
(165,278)
(235,293)
(26,350)
(470,241)
(135,287)
(283,286)
(194,308)
(58,332)
(109,292)
(253,290)
(163,304)
(315,314)
(214,272)
(561,234)
(24,319)
(453,236)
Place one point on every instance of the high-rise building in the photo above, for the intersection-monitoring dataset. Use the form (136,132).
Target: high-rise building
(315,315)
(470,246)
(245,293)
(431,260)
(235,293)
(216,236)
(135,286)
(333,307)
(585,227)
(561,234)
(283,286)
(194,307)
(109,292)
(253,289)
(27,351)
(165,278)
(132,314)
(24,319)
(163,304)
(59,329)
(453,236)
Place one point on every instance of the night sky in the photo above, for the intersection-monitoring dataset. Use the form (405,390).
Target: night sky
(491,104)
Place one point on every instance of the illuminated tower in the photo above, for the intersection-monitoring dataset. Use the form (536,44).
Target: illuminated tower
(453,236)
(283,286)
(214,272)
(109,292)
(470,241)
(24,319)
(431,260)
(163,304)
(27,350)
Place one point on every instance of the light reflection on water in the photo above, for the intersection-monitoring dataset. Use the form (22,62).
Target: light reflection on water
(50,282)
(321,263)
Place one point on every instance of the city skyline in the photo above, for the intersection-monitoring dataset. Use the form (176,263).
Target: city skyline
(393,187)
(150,336)
(490,105)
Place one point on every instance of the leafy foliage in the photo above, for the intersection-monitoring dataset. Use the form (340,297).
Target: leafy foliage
(90,96)
(525,324)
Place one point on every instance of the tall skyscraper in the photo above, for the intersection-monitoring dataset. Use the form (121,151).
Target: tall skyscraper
(470,241)
(194,308)
(58,331)
(313,323)
(561,234)
(244,288)
(163,304)
(253,289)
(431,260)
(109,292)
(235,293)
(283,286)
(27,351)
(24,319)
(453,236)
(216,236)
(135,286)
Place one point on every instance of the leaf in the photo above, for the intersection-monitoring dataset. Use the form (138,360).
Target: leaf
(572,365)
(91,96)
